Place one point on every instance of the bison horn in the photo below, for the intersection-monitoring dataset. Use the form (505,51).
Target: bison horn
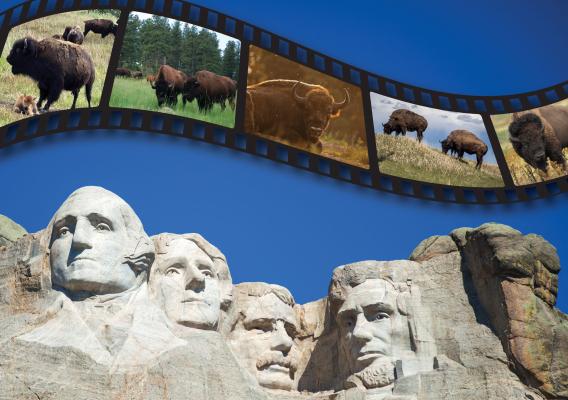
(343,103)
(298,98)
(25,43)
(514,139)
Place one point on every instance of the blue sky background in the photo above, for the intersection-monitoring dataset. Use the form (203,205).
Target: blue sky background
(440,122)
(282,225)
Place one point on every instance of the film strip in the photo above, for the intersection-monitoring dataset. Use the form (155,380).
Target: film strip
(366,90)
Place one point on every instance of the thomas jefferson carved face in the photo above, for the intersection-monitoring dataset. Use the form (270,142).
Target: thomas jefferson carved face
(365,324)
(263,340)
(90,243)
(186,285)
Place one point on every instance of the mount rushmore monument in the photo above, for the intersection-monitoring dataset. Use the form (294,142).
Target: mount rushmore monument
(93,308)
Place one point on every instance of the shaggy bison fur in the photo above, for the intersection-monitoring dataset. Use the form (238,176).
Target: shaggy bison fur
(294,111)
(73,34)
(168,85)
(55,65)
(539,135)
(461,141)
(209,88)
(402,121)
(25,105)
(101,26)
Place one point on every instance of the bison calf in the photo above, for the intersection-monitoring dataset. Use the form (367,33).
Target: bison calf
(25,105)
(103,27)
(402,121)
(539,135)
(55,65)
(73,34)
(461,141)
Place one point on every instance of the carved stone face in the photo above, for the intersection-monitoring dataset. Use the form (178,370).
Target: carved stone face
(89,243)
(263,341)
(186,285)
(365,325)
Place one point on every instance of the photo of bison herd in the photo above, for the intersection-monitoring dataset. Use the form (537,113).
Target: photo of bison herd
(47,63)
(177,68)
(535,142)
(429,145)
(295,105)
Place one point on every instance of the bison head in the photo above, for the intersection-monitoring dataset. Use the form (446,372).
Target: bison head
(445,146)
(388,128)
(191,88)
(320,107)
(165,93)
(526,134)
(22,51)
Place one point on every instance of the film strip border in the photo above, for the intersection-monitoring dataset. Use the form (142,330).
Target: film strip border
(105,117)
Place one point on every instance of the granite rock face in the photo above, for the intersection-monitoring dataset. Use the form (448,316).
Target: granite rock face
(9,231)
(470,316)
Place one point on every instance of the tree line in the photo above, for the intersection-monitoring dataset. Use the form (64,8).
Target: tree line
(155,41)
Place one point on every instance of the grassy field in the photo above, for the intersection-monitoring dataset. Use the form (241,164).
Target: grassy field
(522,172)
(138,94)
(11,86)
(406,158)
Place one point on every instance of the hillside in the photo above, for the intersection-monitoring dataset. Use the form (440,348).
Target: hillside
(405,157)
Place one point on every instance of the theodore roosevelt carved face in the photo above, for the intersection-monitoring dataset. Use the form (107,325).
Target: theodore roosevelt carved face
(262,337)
(98,245)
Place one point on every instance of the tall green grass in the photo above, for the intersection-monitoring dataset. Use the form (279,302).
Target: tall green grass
(138,94)
(11,86)
(405,157)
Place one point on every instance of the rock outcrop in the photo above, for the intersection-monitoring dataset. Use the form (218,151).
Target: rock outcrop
(9,231)
(470,316)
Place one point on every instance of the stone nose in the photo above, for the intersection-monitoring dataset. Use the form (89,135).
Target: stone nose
(82,236)
(194,278)
(361,331)
(281,341)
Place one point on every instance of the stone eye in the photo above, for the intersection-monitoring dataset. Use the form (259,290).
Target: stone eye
(101,226)
(381,316)
(63,231)
(172,271)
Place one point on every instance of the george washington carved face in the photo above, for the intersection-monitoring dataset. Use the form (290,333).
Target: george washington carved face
(98,245)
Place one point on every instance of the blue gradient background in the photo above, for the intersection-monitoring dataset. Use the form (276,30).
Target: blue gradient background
(286,226)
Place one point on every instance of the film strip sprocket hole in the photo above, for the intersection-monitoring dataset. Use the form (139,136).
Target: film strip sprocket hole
(233,84)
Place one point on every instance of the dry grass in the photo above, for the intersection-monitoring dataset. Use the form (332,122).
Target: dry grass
(405,157)
(13,85)
(521,172)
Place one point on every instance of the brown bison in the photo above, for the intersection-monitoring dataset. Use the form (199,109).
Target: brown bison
(137,74)
(540,134)
(209,88)
(402,121)
(169,82)
(25,105)
(73,34)
(461,141)
(123,72)
(296,111)
(55,65)
(101,26)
